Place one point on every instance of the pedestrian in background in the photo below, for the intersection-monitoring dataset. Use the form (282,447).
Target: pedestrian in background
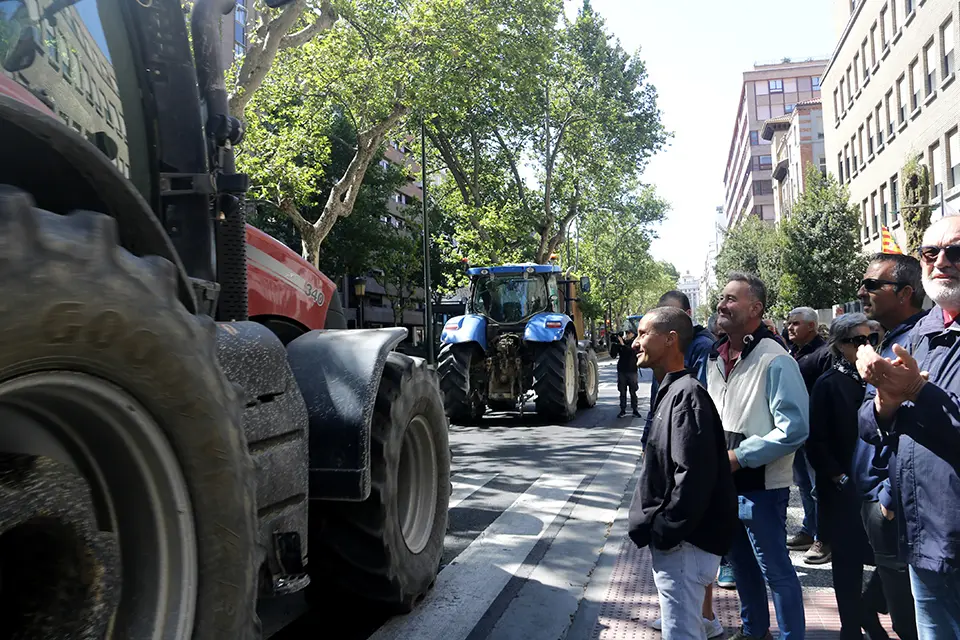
(834,404)
(892,294)
(684,506)
(627,379)
(916,408)
(764,406)
(813,356)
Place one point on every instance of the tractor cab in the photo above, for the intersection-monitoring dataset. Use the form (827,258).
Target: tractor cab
(513,293)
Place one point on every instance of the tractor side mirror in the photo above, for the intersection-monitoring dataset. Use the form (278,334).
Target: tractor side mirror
(585,284)
(18,40)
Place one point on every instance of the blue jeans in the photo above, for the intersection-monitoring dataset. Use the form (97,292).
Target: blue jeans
(803,478)
(680,574)
(759,558)
(937,599)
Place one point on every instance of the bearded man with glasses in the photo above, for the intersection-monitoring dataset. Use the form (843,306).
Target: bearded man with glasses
(915,407)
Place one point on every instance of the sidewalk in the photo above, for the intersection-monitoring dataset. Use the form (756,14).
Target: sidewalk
(631,604)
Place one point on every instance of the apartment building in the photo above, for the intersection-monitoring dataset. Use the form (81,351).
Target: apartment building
(892,96)
(797,141)
(690,285)
(768,91)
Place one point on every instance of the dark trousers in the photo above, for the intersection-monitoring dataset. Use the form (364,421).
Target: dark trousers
(884,536)
(851,550)
(628,380)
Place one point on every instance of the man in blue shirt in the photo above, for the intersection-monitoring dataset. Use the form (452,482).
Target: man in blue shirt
(915,407)
(892,294)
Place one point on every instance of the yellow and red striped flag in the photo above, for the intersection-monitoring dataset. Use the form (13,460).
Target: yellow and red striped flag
(887,242)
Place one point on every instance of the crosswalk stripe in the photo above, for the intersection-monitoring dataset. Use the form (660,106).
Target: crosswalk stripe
(465,486)
(466,587)
(555,587)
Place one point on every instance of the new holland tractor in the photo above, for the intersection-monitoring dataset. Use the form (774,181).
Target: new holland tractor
(519,339)
(186,426)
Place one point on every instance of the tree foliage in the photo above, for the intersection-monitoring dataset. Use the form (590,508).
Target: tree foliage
(822,261)
(754,246)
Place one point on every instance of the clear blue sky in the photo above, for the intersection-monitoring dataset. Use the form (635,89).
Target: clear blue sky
(696,51)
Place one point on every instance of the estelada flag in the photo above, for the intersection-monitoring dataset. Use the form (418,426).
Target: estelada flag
(887,243)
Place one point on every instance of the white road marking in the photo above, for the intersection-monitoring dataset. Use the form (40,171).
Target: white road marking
(468,585)
(465,486)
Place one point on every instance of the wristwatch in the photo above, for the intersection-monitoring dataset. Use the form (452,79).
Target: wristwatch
(842,482)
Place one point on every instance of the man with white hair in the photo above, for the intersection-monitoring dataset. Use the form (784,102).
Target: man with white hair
(916,405)
(813,356)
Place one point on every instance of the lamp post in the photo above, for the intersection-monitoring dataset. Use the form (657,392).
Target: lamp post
(360,290)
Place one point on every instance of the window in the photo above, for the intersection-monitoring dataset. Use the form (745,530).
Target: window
(879,125)
(836,103)
(790,85)
(870,135)
(851,87)
(953,159)
(761,88)
(863,157)
(916,84)
(762,187)
(864,220)
(946,49)
(239,29)
(788,108)
(754,137)
(865,69)
(873,44)
(843,97)
(853,148)
(930,68)
(846,161)
(936,170)
(840,167)
(884,206)
(894,200)
(901,100)
(907,8)
(765,162)
(874,214)
(815,80)
(776,86)
(886,32)
(855,69)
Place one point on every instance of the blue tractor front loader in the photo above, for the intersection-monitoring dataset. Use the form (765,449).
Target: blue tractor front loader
(517,341)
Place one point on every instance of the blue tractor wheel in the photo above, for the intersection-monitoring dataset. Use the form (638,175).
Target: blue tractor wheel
(556,379)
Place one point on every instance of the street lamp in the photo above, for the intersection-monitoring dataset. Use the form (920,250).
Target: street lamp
(360,290)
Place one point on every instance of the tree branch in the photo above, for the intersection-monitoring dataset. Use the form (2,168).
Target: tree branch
(573,210)
(518,180)
(324,22)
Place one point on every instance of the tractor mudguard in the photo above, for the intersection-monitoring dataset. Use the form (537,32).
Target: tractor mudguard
(546,327)
(339,373)
(469,328)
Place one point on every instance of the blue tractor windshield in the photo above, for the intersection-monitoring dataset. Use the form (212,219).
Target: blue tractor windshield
(509,298)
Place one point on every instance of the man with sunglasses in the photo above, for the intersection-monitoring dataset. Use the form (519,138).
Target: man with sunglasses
(892,294)
(916,407)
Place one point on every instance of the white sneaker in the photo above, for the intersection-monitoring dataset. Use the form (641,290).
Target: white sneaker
(712,628)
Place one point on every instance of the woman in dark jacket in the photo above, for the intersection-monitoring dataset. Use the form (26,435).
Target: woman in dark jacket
(834,402)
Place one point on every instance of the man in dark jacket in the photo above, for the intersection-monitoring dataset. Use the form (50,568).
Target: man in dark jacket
(684,505)
(892,294)
(812,354)
(916,405)
(627,378)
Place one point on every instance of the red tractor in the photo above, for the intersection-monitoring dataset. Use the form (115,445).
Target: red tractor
(183,414)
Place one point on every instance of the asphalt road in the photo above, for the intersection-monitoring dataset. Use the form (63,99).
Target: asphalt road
(532,508)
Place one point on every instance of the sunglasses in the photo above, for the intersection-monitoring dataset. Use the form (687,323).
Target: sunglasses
(874,284)
(929,254)
(873,340)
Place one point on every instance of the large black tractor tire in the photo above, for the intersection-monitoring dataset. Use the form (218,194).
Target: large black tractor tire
(108,375)
(555,379)
(386,550)
(463,400)
(589,379)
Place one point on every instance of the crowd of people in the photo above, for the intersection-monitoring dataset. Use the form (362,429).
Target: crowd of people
(865,422)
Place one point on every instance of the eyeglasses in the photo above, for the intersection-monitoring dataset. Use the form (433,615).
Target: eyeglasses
(874,284)
(929,254)
(872,339)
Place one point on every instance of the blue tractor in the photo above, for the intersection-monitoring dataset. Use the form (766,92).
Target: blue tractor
(518,340)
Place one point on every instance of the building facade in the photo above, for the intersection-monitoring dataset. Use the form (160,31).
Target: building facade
(690,286)
(892,97)
(797,141)
(768,91)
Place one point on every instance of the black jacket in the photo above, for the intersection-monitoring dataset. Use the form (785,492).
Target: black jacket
(685,491)
(626,356)
(814,359)
(834,431)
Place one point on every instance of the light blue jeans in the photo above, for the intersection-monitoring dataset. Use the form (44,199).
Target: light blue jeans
(936,597)
(680,574)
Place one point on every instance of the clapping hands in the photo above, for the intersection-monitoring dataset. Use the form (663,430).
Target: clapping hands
(897,380)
